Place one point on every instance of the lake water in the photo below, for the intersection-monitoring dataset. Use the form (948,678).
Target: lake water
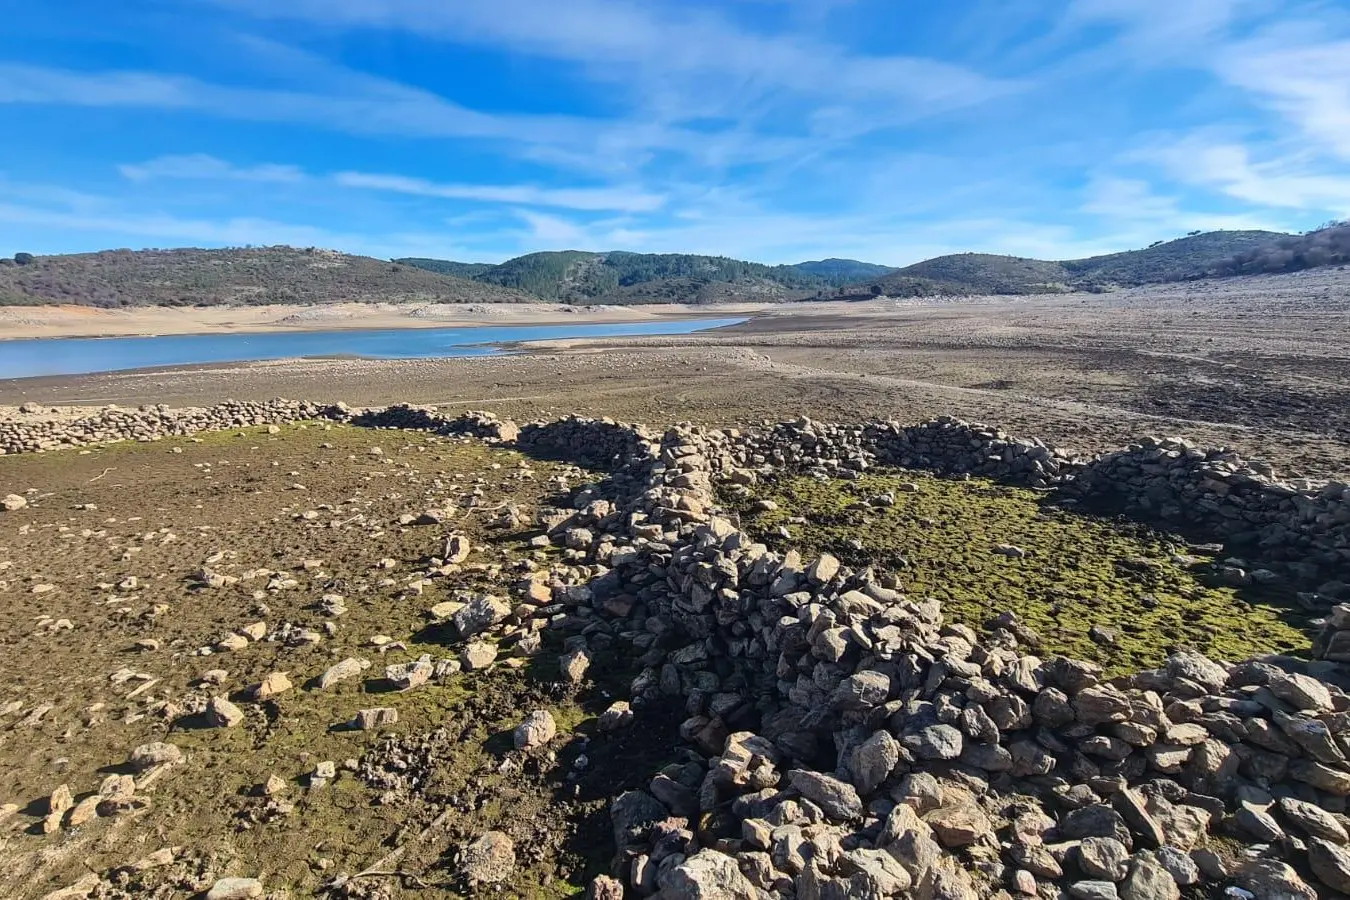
(78,356)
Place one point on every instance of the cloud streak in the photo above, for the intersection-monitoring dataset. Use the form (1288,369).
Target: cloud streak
(623,199)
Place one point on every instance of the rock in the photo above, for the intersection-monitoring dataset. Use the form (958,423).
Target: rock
(1330,863)
(839,800)
(235,889)
(960,824)
(1097,820)
(823,569)
(1322,777)
(1313,820)
(58,804)
(873,761)
(1303,692)
(479,614)
(618,715)
(1101,704)
(274,684)
(1093,890)
(84,811)
(707,875)
(273,786)
(1258,823)
(603,887)
(537,729)
(157,753)
(1270,878)
(457,549)
(338,672)
(1179,865)
(1103,858)
(935,742)
(632,814)
(1136,815)
(477,655)
(376,717)
(80,890)
(574,665)
(1148,880)
(12,503)
(410,675)
(221,713)
(490,859)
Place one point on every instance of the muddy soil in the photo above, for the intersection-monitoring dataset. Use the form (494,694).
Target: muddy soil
(103,619)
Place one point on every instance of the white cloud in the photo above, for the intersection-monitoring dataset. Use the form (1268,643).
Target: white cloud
(1287,182)
(548,232)
(1308,84)
(202,167)
(625,199)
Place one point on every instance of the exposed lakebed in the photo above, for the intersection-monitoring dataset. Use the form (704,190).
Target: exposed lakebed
(76,356)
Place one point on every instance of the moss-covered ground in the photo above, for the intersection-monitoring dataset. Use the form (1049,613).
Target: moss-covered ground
(953,540)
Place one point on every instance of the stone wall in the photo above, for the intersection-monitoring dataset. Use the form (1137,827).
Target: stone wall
(853,744)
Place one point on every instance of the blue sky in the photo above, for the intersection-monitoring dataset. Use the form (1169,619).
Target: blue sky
(775,130)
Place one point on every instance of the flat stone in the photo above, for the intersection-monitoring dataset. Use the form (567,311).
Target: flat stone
(838,799)
(156,753)
(235,889)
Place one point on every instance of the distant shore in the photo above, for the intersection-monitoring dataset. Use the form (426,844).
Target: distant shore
(26,322)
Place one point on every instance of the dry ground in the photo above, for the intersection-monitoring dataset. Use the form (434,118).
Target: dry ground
(78,694)
(1261,364)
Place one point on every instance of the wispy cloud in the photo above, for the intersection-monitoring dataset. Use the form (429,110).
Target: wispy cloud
(1287,182)
(625,199)
(667,50)
(200,166)
(1305,82)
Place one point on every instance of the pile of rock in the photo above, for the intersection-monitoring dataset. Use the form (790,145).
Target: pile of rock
(148,423)
(595,443)
(852,744)
(482,425)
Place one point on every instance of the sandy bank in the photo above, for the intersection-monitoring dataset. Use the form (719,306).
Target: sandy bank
(78,321)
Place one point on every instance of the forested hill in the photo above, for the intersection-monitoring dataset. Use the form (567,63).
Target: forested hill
(1200,255)
(246,276)
(576,276)
(262,275)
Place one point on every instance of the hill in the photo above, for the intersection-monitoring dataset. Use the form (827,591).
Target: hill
(576,276)
(1327,246)
(253,276)
(842,271)
(445,266)
(1193,256)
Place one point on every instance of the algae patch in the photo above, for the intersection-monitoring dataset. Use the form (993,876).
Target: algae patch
(983,549)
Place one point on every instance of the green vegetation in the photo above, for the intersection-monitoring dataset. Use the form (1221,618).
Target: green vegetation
(943,539)
(445,266)
(264,275)
(574,276)
(1193,256)
(842,271)
(1326,246)
(251,276)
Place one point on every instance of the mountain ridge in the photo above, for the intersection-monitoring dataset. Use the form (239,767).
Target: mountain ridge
(282,274)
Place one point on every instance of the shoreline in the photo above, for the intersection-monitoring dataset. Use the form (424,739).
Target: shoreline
(20,323)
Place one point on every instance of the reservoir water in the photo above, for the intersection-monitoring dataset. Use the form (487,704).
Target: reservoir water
(78,356)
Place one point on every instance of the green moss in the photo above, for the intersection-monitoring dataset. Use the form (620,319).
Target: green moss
(941,537)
